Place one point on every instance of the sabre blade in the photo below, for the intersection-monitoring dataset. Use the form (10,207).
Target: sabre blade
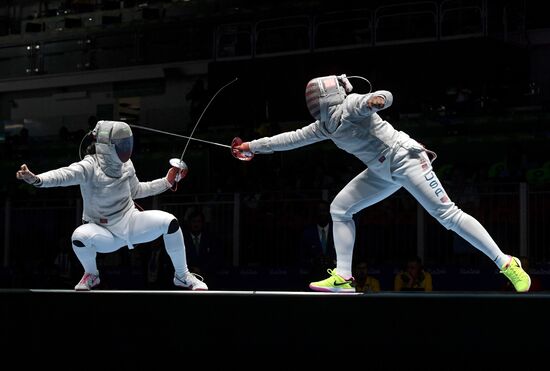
(202,114)
(180,136)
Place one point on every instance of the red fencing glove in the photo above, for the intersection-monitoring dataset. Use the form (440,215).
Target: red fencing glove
(241,150)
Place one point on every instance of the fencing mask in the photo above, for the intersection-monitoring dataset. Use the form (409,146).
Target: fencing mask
(324,92)
(114,139)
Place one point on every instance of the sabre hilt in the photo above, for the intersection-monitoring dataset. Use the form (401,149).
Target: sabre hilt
(182,172)
(176,162)
(237,153)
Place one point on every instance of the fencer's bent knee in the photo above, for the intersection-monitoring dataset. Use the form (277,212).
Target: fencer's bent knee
(83,236)
(80,237)
(449,217)
(339,214)
(174,226)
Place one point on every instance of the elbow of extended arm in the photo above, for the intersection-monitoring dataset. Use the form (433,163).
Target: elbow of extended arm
(388,97)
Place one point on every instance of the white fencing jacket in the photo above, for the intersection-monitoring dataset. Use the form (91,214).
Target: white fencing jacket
(106,199)
(353,126)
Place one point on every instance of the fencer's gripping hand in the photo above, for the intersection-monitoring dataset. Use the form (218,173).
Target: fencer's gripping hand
(176,174)
(26,175)
(241,150)
(376,102)
(244,147)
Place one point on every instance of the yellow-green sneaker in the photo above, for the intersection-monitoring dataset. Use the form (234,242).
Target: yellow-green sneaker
(515,273)
(334,283)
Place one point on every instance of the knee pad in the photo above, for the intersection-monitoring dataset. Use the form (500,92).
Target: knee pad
(174,226)
(79,238)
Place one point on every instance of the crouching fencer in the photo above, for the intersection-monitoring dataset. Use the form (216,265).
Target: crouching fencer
(393,160)
(108,184)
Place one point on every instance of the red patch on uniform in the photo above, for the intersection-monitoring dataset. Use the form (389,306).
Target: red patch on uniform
(103,221)
(424,164)
(444,199)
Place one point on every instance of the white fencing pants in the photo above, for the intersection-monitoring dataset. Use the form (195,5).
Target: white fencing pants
(405,165)
(145,226)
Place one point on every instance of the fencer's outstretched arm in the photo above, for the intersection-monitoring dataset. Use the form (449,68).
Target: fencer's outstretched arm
(367,104)
(76,173)
(287,141)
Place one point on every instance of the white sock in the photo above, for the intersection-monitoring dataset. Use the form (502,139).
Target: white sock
(86,255)
(175,247)
(473,232)
(344,239)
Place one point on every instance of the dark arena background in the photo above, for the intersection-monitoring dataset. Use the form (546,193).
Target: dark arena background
(470,81)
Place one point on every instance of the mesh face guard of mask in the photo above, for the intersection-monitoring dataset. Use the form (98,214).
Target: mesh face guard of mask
(118,135)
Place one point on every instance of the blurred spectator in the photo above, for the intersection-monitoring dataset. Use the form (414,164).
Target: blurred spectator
(154,264)
(63,264)
(364,282)
(204,254)
(317,244)
(159,267)
(413,277)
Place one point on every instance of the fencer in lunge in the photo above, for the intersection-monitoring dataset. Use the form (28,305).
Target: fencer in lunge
(108,184)
(393,160)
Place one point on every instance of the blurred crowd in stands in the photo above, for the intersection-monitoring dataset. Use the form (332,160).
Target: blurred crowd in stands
(483,115)
(472,162)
